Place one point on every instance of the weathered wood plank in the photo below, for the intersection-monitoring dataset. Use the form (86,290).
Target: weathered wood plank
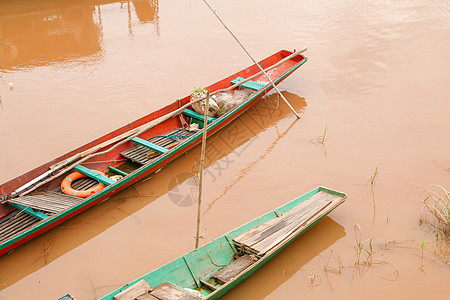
(279,223)
(265,236)
(47,201)
(138,289)
(14,223)
(146,297)
(234,268)
(255,231)
(313,199)
(170,291)
(139,153)
(266,244)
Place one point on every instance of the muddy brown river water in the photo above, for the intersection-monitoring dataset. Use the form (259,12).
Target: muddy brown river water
(377,80)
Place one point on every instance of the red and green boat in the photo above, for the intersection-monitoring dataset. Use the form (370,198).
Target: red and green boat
(48,195)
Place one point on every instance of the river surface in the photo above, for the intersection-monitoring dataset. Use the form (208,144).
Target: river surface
(375,91)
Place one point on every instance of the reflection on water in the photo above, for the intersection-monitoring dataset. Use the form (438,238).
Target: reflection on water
(38,33)
(272,110)
(147,11)
(266,280)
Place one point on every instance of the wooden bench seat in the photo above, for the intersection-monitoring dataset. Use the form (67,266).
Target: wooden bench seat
(194,117)
(149,145)
(251,85)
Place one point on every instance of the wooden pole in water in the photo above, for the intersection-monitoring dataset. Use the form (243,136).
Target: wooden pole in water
(202,163)
(254,61)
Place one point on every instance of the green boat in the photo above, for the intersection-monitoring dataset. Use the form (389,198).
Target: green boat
(215,268)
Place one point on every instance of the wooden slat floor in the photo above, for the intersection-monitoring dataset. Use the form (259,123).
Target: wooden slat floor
(47,202)
(14,223)
(140,154)
(234,268)
(170,291)
(53,202)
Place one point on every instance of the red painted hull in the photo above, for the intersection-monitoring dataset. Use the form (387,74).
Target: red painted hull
(114,158)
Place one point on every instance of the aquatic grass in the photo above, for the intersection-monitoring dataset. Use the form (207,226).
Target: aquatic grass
(442,250)
(334,270)
(338,270)
(441,167)
(47,249)
(372,180)
(422,246)
(436,211)
(320,140)
(364,252)
(312,280)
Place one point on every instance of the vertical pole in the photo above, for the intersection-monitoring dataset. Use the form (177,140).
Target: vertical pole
(202,163)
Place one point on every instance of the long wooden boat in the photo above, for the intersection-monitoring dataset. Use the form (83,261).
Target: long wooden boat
(212,270)
(42,198)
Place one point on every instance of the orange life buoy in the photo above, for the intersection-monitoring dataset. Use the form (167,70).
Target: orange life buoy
(67,188)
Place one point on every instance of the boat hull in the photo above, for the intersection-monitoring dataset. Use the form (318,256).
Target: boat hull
(188,270)
(145,170)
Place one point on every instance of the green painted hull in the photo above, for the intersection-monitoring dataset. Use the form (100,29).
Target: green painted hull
(187,270)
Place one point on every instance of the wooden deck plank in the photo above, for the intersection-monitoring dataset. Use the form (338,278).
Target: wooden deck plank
(262,238)
(143,155)
(140,288)
(255,231)
(266,244)
(146,297)
(170,291)
(14,223)
(234,268)
(277,224)
(47,201)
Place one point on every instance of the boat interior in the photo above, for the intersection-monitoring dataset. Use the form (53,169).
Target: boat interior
(210,268)
(140,151)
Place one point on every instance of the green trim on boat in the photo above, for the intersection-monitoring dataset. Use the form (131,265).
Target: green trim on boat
(251,85)
(94,175)
(117,171)
(35,213)
(197,118)
(149,145)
